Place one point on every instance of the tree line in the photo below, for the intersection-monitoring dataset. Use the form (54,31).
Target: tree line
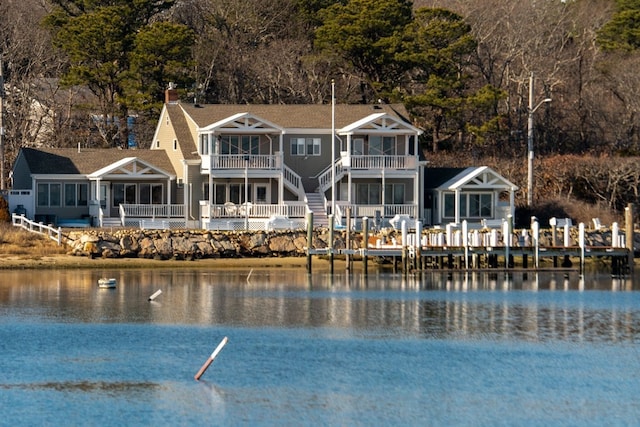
(75,70)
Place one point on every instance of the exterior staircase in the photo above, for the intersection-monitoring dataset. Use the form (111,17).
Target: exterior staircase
(315,203)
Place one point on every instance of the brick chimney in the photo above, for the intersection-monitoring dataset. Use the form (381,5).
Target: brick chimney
(171,94)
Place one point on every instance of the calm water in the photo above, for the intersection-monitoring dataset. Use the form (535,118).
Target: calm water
(342,350)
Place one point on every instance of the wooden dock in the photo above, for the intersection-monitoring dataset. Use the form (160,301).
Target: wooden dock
(467,254)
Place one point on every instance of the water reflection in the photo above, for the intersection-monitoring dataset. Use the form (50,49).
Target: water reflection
(461,305)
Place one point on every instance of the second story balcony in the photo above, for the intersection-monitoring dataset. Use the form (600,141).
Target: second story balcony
(378,162)
(241,161)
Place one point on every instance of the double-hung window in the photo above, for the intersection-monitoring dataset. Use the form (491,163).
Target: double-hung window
(76,194)
(240,144)
(305,146)
(472,205)
(49,194)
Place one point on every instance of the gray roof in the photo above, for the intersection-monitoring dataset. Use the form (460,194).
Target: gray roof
(297,116)
(435,177)
(48,161)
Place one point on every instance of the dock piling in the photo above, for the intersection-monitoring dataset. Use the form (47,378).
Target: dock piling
(211,358)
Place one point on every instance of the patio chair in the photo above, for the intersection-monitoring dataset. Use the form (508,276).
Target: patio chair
(244,209)
(230,208)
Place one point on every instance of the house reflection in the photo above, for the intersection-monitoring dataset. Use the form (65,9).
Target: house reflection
(462,305)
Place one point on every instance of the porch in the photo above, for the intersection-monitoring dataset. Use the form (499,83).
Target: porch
(249,216)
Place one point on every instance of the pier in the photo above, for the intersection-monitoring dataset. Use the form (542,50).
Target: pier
(467,247)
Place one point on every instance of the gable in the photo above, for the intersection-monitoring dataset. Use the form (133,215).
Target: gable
(379,123)
(475,178)
(130,167)
(243,123)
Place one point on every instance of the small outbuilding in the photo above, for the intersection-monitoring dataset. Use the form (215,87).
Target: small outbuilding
(452,195)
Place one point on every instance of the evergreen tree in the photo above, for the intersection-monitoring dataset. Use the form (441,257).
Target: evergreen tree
(110,45)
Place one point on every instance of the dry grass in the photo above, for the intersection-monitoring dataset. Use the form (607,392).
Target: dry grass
(16,241)
(566,208)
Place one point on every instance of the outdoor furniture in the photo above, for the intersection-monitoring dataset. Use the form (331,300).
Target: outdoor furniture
(278,222)
(230,209)
(245,209)
(396,222)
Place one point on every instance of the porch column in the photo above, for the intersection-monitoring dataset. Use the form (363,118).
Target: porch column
(211,138)
(281,180)
(457,209)
(383,185)
(349,182)
(416,193)
(512,201)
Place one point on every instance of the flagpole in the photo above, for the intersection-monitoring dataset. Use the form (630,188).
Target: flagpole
(333,148)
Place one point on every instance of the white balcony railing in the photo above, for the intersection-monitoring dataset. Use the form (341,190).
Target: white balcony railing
(385,211)
(383,162)
(240,161)
(291,209)
(152,211)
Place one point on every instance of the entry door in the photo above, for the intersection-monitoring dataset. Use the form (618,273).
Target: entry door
(104,198)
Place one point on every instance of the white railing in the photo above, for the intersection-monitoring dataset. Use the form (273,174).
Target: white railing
(383,162)
(385,211)
(230,224)
(53,233)
(291,210)
(240,161)
(324,179)
(152,211)
(293,180)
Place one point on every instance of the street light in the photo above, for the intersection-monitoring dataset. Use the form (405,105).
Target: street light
(532,110)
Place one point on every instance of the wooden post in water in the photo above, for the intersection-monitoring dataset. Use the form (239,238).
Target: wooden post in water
(405,249)
(465,243)
(348,238)
(155,295)
(365,243)
(554,239)
(309,239)
(506,230)
(210,359)
(629,234)
(535,229)
(331,240)
(418,251)
(581,243)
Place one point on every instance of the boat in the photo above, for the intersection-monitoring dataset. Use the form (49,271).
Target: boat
(106,282)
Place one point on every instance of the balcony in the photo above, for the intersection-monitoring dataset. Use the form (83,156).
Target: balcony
(379,162)
(240,161)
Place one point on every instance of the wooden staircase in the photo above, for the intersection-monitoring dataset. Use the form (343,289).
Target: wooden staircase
(315,203)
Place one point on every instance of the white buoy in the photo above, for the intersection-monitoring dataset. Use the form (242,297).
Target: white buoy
(155,294)
(210,359)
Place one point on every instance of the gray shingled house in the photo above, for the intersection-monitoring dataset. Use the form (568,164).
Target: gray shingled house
(82,187)
(251,167)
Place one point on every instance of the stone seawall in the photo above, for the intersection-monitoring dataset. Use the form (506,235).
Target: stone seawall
(197,244)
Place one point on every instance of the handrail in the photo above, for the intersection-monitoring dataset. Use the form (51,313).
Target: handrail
(293,179)
(53,233)
(325,178)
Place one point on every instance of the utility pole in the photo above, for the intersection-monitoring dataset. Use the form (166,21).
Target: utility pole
(2,174)
(531,109)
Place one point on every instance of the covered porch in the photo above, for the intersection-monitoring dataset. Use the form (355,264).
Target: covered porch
(131,190)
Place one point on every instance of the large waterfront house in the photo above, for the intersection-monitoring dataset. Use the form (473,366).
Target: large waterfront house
(238,167)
